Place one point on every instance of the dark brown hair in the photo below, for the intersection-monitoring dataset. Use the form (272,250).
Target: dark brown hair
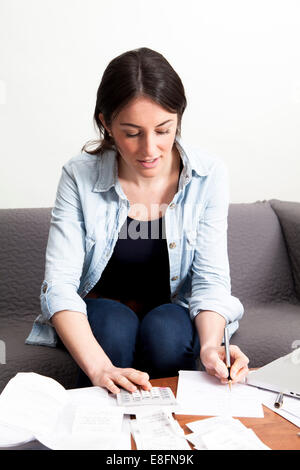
(140,72)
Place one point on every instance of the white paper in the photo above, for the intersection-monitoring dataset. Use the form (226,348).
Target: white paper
(71,441)
(33,406)
(12,436)
(223,433)
(196,440)
(124,442)
(90,395)
(160,421)
(136,410)
(157,430)
(32,402)
(199,393)
(90,421)
(206,425)
(290,409)
(224,438)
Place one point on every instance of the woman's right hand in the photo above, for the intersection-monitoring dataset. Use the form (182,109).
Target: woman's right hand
(111,377)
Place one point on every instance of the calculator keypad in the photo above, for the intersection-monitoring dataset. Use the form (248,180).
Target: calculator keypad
(155,396)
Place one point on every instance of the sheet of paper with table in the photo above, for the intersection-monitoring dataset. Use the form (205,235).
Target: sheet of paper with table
(201,394)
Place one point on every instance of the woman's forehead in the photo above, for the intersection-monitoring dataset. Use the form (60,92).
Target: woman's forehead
(143,110)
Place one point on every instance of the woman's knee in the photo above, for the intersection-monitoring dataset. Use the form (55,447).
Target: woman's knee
(168,340)
(169,323)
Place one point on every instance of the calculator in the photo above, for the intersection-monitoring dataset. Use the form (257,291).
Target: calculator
(155,396)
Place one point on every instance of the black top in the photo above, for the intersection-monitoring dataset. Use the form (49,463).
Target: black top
(139,266)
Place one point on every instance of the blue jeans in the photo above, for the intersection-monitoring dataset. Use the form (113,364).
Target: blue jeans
(161,343)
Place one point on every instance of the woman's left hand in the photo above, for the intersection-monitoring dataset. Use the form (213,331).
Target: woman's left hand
(214,360)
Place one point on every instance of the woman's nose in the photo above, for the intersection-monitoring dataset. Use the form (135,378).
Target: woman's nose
(149,149)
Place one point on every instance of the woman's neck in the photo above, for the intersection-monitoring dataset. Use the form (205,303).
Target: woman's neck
(166,176)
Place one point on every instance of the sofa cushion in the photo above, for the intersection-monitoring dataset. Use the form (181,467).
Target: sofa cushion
(289,218)
(268,332)
(23,240)
(20,357)
(259,262)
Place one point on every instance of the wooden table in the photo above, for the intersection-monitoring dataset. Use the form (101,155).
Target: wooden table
(273,430)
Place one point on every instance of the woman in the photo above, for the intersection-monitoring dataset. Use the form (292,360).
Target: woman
(137,273)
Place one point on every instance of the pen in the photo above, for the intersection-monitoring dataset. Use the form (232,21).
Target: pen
(279,400)
(227,352)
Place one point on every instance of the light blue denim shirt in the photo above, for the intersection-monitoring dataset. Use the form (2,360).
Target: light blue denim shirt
(89,211)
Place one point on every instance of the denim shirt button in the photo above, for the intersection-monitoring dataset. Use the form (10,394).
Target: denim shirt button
(174,278)
(172,245)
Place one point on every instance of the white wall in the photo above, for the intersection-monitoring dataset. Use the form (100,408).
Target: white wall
(238,60)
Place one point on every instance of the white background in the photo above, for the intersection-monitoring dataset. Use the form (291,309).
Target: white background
(239,62)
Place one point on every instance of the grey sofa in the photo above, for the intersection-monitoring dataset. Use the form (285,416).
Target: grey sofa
(264,254)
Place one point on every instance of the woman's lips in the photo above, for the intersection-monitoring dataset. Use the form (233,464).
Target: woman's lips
(149,164)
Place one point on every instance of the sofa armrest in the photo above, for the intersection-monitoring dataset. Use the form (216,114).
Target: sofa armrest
(288,214)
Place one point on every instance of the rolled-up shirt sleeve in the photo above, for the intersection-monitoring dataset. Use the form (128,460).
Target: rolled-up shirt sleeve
(65,250)
(211,285)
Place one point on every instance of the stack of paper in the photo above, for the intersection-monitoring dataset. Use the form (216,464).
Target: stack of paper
(223,433)
(201,394)
(33,406)
(158,430)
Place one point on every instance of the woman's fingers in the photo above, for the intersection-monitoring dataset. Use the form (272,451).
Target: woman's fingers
(214,361)
(125,383)
(239,377)
(139,378)
(128,379)
(221,369)
(239,368)
(110,385)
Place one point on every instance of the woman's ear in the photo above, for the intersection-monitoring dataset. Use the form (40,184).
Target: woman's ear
(101,117)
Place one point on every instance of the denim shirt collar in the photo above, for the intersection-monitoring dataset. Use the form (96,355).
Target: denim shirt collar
(108,167)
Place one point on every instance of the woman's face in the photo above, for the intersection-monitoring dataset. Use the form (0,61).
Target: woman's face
(144,134)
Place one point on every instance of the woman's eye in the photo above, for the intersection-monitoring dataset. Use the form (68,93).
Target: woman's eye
(158,132)
(163,132)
